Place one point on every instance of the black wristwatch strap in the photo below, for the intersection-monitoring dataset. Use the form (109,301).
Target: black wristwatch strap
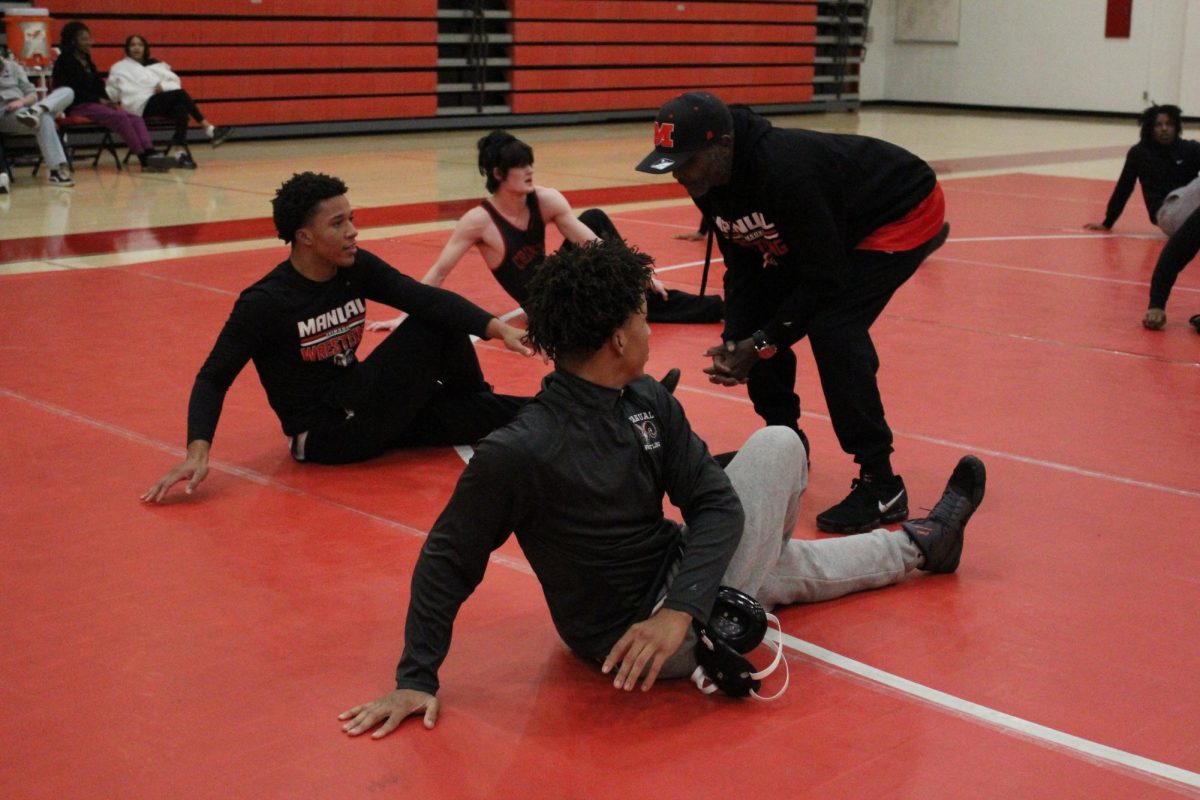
(763,344)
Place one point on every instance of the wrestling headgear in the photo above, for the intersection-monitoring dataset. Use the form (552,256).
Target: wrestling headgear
(737,625)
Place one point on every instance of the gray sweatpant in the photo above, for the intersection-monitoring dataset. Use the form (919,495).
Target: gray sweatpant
(47,135)
(770,474)
(1178,206)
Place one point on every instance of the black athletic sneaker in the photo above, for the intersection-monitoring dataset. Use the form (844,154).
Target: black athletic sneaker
(220,134)
(940,535)
(873,501)
(671,379)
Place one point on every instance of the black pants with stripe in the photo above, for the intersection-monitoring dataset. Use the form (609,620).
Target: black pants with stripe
(838,329)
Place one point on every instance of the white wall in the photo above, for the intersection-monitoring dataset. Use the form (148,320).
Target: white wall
(1043,54)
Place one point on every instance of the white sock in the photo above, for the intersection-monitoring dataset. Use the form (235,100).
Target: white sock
(208,130)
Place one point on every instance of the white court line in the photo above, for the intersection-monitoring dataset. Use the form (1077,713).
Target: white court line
(1095,752)
(1092,751)
(970,448)
(253,476)
(1057,274)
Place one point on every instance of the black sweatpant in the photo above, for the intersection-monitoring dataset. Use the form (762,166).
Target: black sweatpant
(177,105)
(838,329)
(680,307)
(421,386)
(1179,250)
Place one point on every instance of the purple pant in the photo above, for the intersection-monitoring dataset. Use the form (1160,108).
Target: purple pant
(130,127)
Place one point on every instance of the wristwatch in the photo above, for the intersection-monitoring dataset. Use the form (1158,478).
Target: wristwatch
(763,345)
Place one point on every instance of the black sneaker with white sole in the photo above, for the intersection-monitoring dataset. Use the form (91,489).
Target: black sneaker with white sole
(873,501)
(671,379)
(220,134)
(939,536)
(61,179)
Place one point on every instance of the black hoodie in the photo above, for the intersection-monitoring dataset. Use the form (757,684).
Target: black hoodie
(1161,171)
(799,201)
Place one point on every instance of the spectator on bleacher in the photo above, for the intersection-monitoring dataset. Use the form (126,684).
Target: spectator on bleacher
(74,69)
(22,112)
(509,230)
(145,86)
(1166,165)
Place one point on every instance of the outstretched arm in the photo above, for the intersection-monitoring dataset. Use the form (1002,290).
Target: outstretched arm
(476,521)
(466,234)
(229,355)
(556,209)
(1120,195)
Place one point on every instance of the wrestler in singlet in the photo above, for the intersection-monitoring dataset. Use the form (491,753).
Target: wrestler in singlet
(523,249)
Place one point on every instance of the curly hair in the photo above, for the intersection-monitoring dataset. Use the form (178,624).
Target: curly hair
(297,199)
(69,33)
(501,149)
(1150,116)
(579,297)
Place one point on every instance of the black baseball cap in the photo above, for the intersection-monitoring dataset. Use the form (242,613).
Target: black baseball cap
(685,126)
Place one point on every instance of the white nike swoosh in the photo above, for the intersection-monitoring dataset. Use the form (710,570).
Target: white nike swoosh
(884,507)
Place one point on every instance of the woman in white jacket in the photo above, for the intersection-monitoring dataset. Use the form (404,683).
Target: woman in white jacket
(147,87)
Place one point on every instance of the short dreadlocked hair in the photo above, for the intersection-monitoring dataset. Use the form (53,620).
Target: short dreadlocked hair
(1150,117)
(579,297)
(297,199)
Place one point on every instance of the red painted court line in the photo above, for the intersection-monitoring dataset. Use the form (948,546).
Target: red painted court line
(104,242)
(119,241)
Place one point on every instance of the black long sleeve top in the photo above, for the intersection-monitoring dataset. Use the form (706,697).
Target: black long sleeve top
(84,79)
(1161,170)
(579,476)
(796,204)
(303,336)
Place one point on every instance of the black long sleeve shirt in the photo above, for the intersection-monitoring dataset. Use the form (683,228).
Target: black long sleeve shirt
(1161,170)
(84,79)
(796,204)
(579,476)
(303,336)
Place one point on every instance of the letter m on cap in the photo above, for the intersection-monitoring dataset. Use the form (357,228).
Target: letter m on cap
(662,134)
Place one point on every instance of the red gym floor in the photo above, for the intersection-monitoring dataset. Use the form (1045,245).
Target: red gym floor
(204,648)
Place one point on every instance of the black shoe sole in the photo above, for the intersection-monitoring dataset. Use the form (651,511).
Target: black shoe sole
(896,515)
(671,379)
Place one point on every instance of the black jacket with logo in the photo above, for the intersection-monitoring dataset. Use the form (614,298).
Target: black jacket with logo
(798,202)
(579,476)
(303,335)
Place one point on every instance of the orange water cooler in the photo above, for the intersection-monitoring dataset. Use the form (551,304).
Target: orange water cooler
(29,35)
